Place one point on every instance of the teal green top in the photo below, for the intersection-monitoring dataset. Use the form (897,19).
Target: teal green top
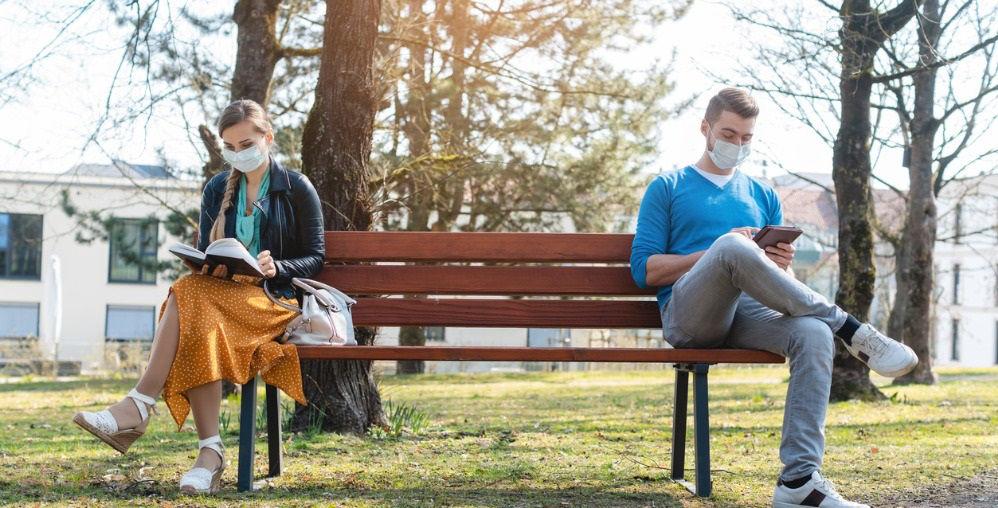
(248,226)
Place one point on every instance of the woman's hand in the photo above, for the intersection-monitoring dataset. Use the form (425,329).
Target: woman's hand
(266,263)
(220,271)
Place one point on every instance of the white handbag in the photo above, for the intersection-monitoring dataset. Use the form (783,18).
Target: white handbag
(324,318)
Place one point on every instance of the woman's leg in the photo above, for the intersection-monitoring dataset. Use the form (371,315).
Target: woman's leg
(164,349)
(206,401)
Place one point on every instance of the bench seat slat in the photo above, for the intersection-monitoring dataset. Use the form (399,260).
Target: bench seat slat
(506,313)
(486,247)
(538,354)
(482,280)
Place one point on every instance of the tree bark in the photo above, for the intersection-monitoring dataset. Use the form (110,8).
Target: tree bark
(257,50)
(920,223)
(416,128)
(336,147)
(863,33)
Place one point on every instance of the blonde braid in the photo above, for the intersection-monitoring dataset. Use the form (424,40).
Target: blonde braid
(218,228)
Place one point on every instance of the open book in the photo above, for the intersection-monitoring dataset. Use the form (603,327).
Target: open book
(224,251)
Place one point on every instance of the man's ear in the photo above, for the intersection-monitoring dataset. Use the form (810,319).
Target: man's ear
(704,127)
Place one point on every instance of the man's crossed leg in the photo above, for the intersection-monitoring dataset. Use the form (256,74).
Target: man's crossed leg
(735,296)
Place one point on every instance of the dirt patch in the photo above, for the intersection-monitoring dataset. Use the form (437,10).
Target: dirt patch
(980,491)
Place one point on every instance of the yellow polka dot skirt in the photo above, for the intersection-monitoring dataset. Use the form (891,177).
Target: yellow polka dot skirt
(227,331)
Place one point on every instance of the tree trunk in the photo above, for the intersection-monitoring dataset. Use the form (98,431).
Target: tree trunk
(902,263)
(257,50)
(336,147)
(921,220)
(863,32)
(417,132)
(411,336)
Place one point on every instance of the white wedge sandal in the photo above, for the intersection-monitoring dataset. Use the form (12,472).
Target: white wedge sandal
(201,480)
(103,425)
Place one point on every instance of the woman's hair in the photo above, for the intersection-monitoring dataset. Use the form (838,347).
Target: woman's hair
(237,112)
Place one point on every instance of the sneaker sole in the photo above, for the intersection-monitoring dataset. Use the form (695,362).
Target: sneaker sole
(777,504)
(898,373)
(894,373)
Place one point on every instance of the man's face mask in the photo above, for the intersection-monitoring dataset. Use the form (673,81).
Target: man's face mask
(245,160)
(727,155)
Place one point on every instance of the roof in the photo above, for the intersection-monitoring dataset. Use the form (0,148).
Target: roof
(120,169)
(810,199)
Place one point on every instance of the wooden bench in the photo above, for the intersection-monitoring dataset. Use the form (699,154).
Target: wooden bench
(552,265)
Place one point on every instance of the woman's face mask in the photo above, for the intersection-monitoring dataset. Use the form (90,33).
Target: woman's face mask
(244,147)
(727,155)
(245,160)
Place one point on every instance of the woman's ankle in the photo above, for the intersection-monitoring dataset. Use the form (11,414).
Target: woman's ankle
(208,459)
(125,413)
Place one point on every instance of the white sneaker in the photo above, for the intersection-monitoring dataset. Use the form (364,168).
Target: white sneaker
(884,355)
(816,492)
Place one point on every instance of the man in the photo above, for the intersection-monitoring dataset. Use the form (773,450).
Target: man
(717,288)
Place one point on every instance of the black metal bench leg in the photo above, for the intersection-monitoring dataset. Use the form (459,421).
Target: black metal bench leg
(247,436)
(701,429)
(273,430)
(679,423)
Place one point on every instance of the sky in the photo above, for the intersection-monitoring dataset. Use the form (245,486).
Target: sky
(50,121)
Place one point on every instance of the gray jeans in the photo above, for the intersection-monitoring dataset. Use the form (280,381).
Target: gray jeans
(737,297)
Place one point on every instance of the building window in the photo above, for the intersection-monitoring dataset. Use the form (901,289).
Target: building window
(434,333)
(20,246)
(18,320)
(955,343)
(957,225)
(133,250)
(956,284)
(130,322)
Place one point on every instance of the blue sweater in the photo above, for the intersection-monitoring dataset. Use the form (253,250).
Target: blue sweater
(683,212)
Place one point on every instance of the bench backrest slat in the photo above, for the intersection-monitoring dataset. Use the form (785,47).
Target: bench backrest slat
(352,246)
(483,280)
(589,266)
(477,312)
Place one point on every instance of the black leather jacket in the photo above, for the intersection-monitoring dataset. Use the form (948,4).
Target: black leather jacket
(291,227)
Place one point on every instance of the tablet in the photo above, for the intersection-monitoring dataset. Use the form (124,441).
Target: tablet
(772,235)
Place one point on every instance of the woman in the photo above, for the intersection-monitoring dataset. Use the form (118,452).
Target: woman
(214,326)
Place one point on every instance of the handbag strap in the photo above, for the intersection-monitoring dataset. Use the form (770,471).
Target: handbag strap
(278,302)
(308,287)
(311,286)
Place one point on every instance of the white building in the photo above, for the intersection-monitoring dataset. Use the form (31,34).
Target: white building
(104,294)
(966,259)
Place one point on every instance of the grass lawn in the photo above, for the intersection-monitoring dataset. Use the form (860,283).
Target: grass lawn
(525,439)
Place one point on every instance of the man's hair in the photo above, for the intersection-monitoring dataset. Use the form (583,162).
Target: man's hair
(734,100)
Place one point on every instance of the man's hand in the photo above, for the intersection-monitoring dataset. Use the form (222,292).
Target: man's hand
(266,263)
(747,232)
(781,254)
